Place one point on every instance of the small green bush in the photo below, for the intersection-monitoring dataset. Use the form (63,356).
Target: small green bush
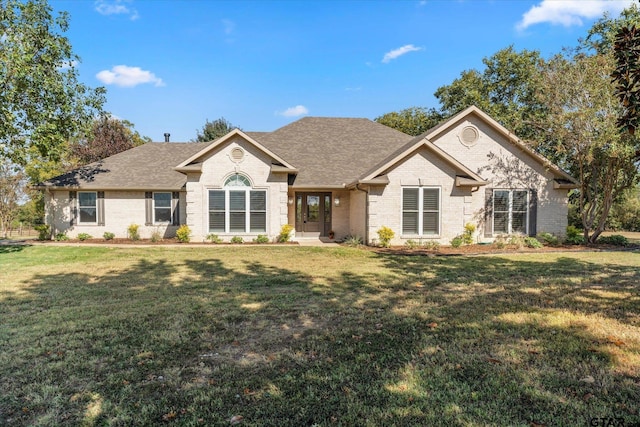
(467,234)
(214,238)
(517,241)
(411,244)
(574,236)
(183,234)
(548,239)
(285,233)
(615,240)
(457,241)
(60,237)
(353,241)
(132,232)
(44,231)
(261,238)
(84,236)
(431,245)
(156,236)
(532,242)
(385,234)
(237,239)
(108,235)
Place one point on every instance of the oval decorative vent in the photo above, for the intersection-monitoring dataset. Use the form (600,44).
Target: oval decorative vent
(469,135)
(237,154)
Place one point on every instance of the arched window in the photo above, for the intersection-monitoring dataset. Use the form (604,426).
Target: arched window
(237,208)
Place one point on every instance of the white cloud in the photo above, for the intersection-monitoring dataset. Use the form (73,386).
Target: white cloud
(115,7)
(570,12)
(399,52)
(298,110)
(125,76)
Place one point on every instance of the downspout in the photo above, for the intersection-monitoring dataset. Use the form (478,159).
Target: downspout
(366,214)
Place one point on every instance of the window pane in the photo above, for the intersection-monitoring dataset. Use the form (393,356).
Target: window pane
(327,208)
(500,222)
(237,181)
(237,222)
(298,209)
(258,200)
(163,215)
(501,201)
(313,208)
(430,223)
(87,199)
(88,214)
(216,222)
(410,199)
(237,200)
(258,222)
(409,222)
(520,201)
(162,200)
(216,200)
(519,222)
(430,199)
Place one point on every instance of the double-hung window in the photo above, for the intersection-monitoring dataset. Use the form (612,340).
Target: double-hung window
(237,208)
(88,207)
(161,207)
(420,211)
(510,211)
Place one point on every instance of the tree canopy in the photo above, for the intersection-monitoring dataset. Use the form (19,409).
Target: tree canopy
(412,121)
(214,130)
(42,102)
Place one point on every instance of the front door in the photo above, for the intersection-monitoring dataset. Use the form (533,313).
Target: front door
(313,214)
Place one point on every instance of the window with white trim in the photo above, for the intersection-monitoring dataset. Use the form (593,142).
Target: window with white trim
(237,208)
(510,211)
(420,211)
(88,207)
(161,207)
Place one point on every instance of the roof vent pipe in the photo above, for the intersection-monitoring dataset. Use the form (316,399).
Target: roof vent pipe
(166,137)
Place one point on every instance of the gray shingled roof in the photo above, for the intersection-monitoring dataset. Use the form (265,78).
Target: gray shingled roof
(326,151)
(149,166)
(332,151)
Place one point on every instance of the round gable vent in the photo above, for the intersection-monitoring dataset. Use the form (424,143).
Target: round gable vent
(469,135)
(237,154)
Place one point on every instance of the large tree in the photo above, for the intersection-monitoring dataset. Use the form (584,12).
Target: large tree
(214,130)
(627,77)
(42,102)
(108,136)
(12,184)
(412,121)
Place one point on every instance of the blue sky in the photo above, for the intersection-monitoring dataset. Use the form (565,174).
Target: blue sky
(168,66)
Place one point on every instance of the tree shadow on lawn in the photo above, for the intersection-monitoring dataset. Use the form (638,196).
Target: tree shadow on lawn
(426,342)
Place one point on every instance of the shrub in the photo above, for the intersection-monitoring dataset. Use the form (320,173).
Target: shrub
(132,232)
(214,238)
(385,234)
(156,236)
(237,239)
(517,241)
(457,241)
(84,236)
(44,231)
(183,234)
(261,238)
(548,239)
(574,236)
(285,233)
(467,234)
(411,244)
(615,240)
(432,245)
(500,242)
(61,237)
(108,235)
(532,242)
(353,241)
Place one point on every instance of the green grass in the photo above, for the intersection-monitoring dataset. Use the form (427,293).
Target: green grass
(290,336)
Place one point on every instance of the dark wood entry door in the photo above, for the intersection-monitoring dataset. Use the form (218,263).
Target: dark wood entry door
(313,214)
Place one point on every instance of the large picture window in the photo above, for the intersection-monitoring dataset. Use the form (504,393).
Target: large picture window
(421,211)
(88,207)
(237,208)
(161,207)
(510,211)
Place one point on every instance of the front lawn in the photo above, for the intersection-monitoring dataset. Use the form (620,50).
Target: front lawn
(291,336)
